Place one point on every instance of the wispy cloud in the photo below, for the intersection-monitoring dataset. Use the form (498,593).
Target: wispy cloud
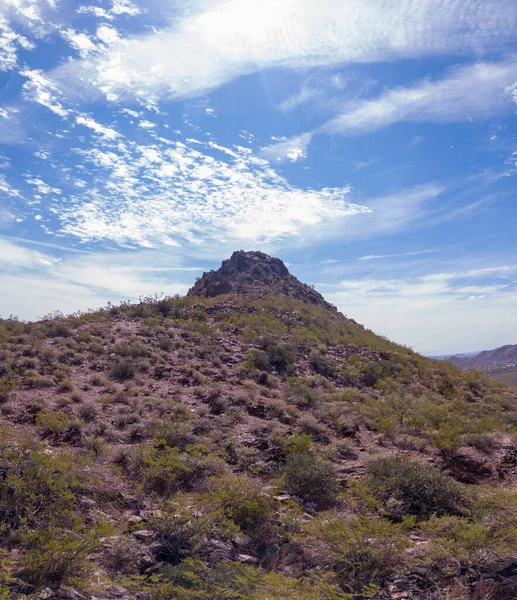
(306,94)
(225,40)
(474,91)
(69,281)
(403,254)
(444,311)
(291,149)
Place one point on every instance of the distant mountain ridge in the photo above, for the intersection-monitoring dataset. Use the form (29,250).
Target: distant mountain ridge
(492,361)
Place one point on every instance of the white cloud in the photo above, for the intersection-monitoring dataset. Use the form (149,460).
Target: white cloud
(42,187)
(440,312)
(80,41)
(92,124)
(227,39)
(291,149)
(42,90)
(13,255)
(475,91)
(37,283)
(19,19)
(169,192)
(10,42)
(305,95)
(403,254)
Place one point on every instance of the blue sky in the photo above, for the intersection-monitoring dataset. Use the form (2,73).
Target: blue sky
(371,145)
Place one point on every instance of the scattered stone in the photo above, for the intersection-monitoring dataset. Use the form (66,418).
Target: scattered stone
(66,593)
(147,561)
(134,519)
(45,594)
(247,559)
(87,502)
(144,535)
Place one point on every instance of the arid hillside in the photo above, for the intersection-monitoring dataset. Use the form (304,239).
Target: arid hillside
(248,441)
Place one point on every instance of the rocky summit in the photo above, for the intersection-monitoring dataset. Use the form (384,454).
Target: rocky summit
(248,442)
(258,273)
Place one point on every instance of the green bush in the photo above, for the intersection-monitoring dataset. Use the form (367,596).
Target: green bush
(281,355)
(242,500)
(88,413)
(54,555)
(195,580)
(159,469)
(122,370)
(52,423)
(182,524)
(321,365)
(310,478)
(359,550)
(36,488)
(412,487)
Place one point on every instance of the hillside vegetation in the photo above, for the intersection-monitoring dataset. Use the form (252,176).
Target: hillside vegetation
(247,446)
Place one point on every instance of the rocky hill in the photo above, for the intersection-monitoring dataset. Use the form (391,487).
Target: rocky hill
(255,272)
(500,360)
(248,442)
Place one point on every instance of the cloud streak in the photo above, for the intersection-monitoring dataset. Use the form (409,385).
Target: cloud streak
(225,40)
(476,91)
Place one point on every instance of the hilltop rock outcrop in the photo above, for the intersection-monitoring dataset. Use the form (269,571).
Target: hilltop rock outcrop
(255,272)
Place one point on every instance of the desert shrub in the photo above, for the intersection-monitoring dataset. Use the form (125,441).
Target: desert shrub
(36,488)
(93,444)
(281,355)
(194,580)
(54,555)
(300,390)
(310,478)
(88,413)
(412,487)
(447,438)
(345,448)
(164,343)
(97,381)
(52,423)
(309,424)
(410,442)
(177,433)
(242,500)
(258,359)
(359,550)
(161,469)
(65,386)
(7,581)
(484,442)
(123,556)
(57,329)
(122,370)
(182,523)
(460,540)
(7,384)
(322,366)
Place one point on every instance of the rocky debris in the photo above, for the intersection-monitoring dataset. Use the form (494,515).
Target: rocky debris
(67,593)
(507,464)
(247,559)
(46,594)
(215,550)
(134,520)
(144,535)
(112,592)
(258,273)
(469,469)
